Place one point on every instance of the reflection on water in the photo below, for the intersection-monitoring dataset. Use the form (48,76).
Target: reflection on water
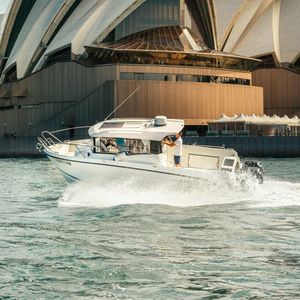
(205,241)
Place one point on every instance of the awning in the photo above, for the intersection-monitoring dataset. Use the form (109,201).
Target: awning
(224,119)
(259,120)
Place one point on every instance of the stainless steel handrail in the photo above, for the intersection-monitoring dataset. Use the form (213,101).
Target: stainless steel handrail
(70,128)
(48,139)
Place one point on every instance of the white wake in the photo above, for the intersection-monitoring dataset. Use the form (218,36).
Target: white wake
(216,191)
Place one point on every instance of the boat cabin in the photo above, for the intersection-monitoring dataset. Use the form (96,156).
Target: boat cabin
(141,141)
(133,136)
(131,139)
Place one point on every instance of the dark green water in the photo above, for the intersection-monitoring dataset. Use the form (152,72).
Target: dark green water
(60,241)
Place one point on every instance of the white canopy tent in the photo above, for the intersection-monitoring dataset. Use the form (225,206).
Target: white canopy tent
(281,124)
(259,120)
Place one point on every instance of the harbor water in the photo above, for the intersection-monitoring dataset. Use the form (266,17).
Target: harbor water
(120,241)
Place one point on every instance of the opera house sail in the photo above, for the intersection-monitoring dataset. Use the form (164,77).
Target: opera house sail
(71,62)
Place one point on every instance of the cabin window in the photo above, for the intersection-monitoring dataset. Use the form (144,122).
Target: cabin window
(130,146)
(228,162)
(155,147)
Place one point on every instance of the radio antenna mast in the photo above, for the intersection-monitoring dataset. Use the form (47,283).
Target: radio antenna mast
(122,102)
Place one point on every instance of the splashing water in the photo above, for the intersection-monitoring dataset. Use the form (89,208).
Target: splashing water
(209,192)
(277,194)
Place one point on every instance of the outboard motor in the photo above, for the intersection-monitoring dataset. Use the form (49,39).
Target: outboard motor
(255,168)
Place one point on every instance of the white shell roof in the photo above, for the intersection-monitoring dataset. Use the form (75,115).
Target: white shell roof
(7,23)
(70,29)
(289,30)
(226,11)
(135,129)
(39,22)
(263,43)
(1,18)
(244,27)
(92,20)
(24,33)
(107,16)
(259,27)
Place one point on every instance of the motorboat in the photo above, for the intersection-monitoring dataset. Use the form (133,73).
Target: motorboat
(120,148)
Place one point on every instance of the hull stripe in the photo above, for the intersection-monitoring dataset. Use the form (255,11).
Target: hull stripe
(67,174)
(124,167)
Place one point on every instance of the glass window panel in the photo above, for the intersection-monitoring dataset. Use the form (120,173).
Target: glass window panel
(154,76)
(183,77)
(139,76)
(126,76)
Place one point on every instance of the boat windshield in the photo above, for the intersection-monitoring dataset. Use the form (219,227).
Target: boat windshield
(130,146)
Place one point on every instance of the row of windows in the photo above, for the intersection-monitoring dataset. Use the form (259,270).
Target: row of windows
(183,77)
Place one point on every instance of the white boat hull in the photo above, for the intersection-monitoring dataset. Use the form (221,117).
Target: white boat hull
(121,149)
(101,171)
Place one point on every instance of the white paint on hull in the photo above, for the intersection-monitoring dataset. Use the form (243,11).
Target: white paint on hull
(97,170)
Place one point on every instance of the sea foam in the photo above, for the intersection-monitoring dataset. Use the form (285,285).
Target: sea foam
(214,191)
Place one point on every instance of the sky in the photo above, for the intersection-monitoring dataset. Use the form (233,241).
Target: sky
(3,5)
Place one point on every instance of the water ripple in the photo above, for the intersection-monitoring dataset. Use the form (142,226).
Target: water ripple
(62,241)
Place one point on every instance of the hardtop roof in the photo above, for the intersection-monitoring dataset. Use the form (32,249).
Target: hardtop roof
(136,128)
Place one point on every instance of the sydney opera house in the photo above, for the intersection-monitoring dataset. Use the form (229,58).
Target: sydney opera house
(71,62)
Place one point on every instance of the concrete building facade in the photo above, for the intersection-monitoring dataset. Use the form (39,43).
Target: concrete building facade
(71,62)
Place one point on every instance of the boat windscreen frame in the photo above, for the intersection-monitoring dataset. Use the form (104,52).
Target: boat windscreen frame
(108,145)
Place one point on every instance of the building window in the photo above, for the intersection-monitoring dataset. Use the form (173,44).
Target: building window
(138,76)
(183,77)
(154,76)
(126,76)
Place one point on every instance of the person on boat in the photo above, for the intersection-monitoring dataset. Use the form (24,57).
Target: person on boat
(121,144)
(178,148)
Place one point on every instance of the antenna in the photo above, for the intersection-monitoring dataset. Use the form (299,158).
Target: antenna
(122,102)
